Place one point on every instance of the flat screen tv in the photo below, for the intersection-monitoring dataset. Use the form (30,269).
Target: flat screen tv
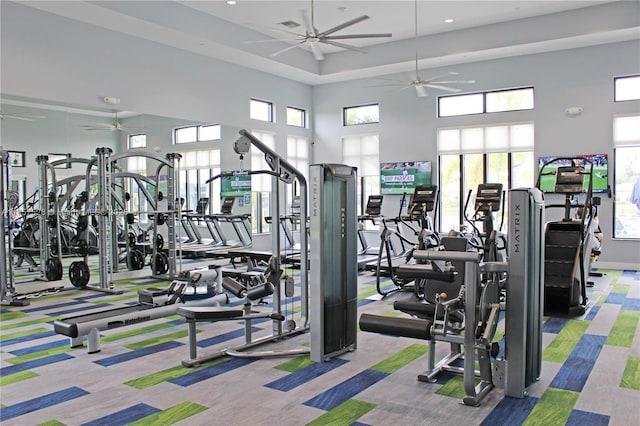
(600,171)
(401,177)
(235,186)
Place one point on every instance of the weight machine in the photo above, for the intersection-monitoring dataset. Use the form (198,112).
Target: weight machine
(8,202)
(467,320)
(282,173)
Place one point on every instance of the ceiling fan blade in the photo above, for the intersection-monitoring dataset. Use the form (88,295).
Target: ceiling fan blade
(286,49)
(421,91)
(315,49)
(273,39)
(445,88)
(344,25)
(347,36)
(452,81)
(342,45)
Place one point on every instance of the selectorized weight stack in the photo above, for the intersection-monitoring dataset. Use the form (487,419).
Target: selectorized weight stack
(333,253)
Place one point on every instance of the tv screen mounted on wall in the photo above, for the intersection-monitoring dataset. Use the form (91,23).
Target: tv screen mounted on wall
(400,177)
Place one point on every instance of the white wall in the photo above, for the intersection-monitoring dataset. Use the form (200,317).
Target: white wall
(408,124)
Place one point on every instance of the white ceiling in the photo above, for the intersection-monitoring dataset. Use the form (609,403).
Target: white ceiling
(481,30)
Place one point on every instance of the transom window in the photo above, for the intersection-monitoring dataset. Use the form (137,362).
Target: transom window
(363,114)
(137,141)
(627,88)
(486,102)
(296,117)
(261,110)
(209,132)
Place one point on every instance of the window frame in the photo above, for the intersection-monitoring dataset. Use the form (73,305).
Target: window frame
(484,101)
(198,128)
(134,135)
(303,117)
(615,87)
(270,110)
(354,107)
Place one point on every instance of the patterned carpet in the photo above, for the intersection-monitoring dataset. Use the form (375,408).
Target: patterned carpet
(591,370)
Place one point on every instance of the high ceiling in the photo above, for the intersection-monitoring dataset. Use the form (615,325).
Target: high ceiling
(480,30)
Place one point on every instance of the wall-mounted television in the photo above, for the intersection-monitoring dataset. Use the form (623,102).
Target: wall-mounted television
(235,186)
(398,178)
(600,170)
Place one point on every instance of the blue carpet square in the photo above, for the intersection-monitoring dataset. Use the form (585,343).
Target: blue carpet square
(12,369)
(554,325)
(205,343)
(38,348)
(215,370)
(83,309)
(510,411)
(616,298)
(128,356)
(576,369)
(631,304)
(304,375)
(581,418)
(125,416)
(40,402)
(338,394)
(27,338)
(592,313)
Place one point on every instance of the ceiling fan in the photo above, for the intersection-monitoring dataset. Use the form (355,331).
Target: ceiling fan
(313,38)
(417,82)
(25,116)
(111,127)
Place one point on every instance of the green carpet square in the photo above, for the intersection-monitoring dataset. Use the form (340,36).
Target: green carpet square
(562,345)
(553,408)
(295,364)
(631,375)
(17,377)
(400,359)
(344,414)
(624,329)
(172,415)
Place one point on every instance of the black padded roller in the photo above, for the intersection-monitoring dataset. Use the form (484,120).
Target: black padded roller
(258,292)
(417,271)
(234,287)
(394,326)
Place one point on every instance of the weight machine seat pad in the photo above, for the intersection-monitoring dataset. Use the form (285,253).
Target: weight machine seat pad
(424,310)
(394,326)
(209,313)
(423,271)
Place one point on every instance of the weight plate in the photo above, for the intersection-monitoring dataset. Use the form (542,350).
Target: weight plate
(79,274)
(53,269)
(83,222)
(136,260)
(159,242)
(161,264)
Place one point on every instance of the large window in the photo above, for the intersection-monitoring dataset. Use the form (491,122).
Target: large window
(209,132)
(298,156)
(485,102)
(261,184)
(363,114)
(196,167)
(627,88)
(469,156)
(261,110)
(296,117)
(363,152)
(626,142)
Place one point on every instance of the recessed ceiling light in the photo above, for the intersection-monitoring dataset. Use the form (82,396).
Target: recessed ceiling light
(231,2)
(448,21)
(289,24)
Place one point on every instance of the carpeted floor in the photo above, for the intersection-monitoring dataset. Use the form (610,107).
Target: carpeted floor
(591,370)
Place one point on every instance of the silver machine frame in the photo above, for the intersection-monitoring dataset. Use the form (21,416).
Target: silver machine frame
(7,278)
(334,261)
(521,364)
